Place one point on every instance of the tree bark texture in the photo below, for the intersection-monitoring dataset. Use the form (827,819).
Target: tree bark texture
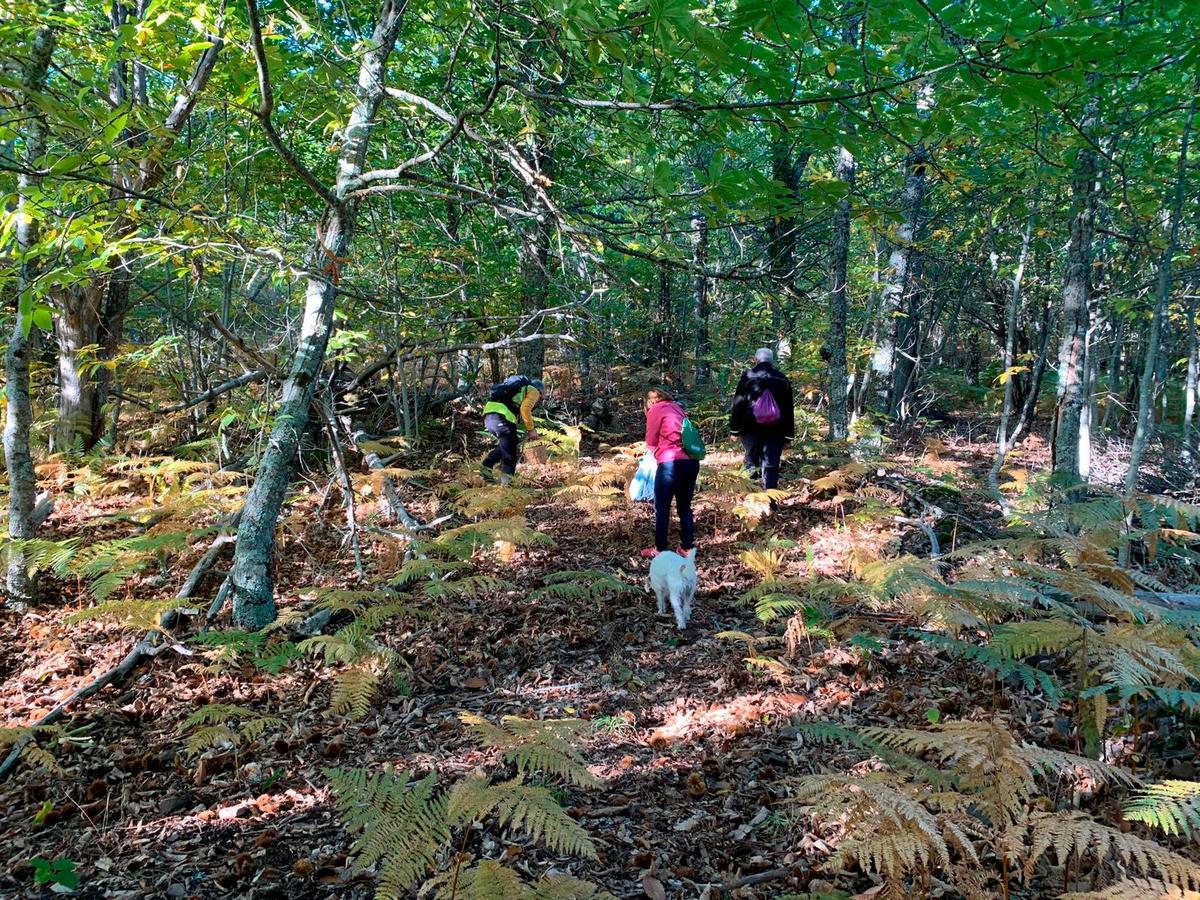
(835,342)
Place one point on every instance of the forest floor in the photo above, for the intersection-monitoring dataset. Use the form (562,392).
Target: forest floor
(695,749)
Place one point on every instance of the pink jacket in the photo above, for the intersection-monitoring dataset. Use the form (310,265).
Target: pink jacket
(664,427)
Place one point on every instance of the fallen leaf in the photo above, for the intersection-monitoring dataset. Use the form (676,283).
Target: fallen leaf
(653,887)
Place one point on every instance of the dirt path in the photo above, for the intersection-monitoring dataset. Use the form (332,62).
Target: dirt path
(695,748)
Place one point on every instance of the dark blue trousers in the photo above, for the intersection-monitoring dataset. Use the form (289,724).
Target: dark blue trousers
(763,450)
(675,480)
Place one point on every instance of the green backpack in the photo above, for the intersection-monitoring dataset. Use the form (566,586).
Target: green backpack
(693,444)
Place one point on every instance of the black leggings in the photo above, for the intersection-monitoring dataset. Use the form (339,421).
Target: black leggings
(505,451)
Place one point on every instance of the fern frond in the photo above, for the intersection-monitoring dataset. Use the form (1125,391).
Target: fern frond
(471,587)
(1170,806)
(487,880)
(403,824)
(530,808)
(532,745)
(353,691)
(210,736)
(1077,834)
(1003,665)
(1036,637)
(216,714)
(566,887)
(1136,889)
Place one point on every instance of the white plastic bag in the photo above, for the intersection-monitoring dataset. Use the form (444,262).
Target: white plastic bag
(641,486)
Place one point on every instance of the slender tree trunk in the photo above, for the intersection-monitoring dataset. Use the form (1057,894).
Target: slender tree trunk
(253,585)
(700,311)
(888,368)
(20,586)
(1189,395)
(835,343)
(535,258)
(95,311)
(1145,424)
(1011,320)
(666,322)
(1077,291)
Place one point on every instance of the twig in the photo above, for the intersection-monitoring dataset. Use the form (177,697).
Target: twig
(146,648)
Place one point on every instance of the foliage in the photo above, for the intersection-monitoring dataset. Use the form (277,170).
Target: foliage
(405,822)
(904,827)
(223,724)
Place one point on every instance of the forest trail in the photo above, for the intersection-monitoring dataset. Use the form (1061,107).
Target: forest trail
(694,746)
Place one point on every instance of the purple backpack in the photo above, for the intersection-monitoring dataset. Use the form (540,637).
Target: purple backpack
(765,409)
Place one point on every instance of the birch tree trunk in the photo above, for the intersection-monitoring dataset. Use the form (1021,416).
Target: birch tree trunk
(535,257)
(253,584)
(700,311)
(835,343)
(887,368)
(1145,422)
(20,587)
(1011,322)
(1077,291)
(1189,395)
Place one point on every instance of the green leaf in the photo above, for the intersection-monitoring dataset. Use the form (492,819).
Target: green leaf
(43,318)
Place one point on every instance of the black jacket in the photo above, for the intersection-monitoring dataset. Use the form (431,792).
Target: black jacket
(750,387)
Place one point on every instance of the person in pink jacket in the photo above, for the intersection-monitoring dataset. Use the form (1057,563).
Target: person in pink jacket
(675,478)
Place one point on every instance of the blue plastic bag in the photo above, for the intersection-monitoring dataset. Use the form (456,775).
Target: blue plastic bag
(641,486)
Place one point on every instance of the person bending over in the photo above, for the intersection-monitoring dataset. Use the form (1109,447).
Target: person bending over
(507,414)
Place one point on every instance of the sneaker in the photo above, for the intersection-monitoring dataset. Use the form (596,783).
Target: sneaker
(650,552)
(683,552)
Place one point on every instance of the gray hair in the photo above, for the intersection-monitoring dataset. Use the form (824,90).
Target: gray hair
(764,355)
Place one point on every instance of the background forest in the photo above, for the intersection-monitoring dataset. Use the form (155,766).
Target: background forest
(269,632)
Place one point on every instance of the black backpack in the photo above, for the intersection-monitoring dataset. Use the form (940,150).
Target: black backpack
(505,391)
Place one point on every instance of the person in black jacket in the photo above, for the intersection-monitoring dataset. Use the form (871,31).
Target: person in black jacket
(763,440)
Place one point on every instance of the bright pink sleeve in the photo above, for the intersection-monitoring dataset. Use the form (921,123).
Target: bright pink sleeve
(653,421)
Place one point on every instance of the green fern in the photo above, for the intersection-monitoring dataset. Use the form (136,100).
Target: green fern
(529,808)
(222,723)
(591,585)
(989,656)
(471,587)
(1170,806)
(403,824)
(536,745)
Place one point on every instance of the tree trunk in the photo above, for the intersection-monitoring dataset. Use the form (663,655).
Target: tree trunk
(835,343)
(20,586)
(666,322)
(95,312)
(1189,395)
(535,259)
(701,311)
(1077,292)
(253,585)
(1011,319)
(890,370)
(1145,424)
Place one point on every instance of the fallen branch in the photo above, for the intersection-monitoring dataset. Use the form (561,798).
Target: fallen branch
(212,393)
(395,356)
(146,648)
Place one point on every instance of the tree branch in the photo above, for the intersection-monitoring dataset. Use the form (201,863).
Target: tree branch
(266,107)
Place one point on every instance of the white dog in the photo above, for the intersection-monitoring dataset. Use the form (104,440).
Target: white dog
(674,576)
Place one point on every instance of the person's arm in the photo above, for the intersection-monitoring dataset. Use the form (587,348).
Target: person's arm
(736,411)
(528,401)
(653,422)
